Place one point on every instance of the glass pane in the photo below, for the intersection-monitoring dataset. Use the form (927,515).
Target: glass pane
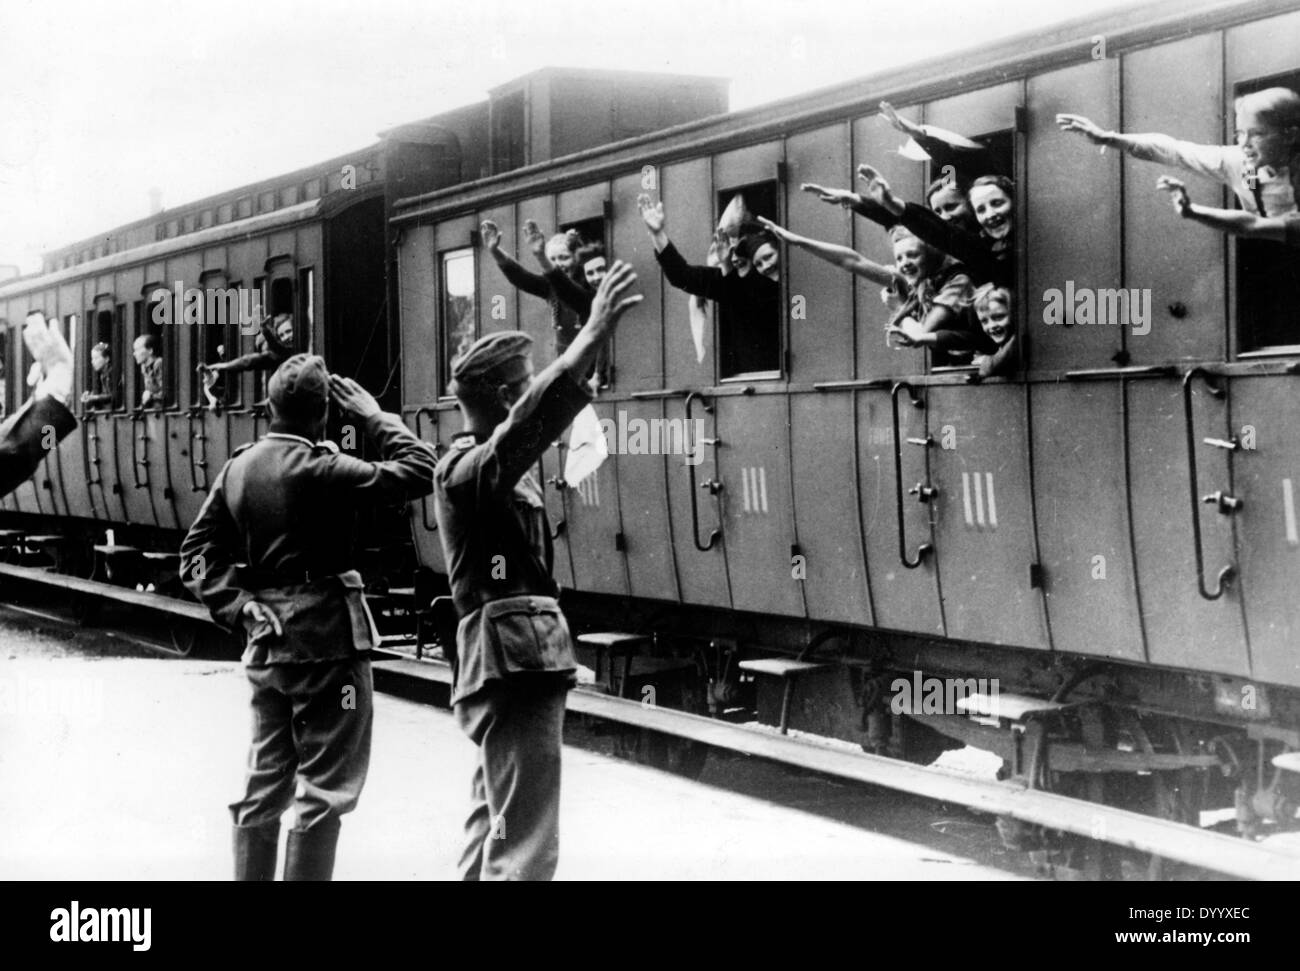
(458,317)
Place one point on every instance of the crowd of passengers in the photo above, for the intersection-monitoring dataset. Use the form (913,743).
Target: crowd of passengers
(952,283)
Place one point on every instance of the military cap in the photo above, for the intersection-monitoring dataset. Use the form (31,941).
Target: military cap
(500,357)
(300,387)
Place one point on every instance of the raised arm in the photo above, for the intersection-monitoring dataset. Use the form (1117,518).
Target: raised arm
(1211,161)
(703,281)
(841,256)
(555,396)
(938,141)
(405,467)
(525,280)
(1235,222)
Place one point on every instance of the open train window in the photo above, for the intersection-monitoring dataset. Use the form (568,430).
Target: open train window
(749,339)
(961,167)
(591,232)
(103,388)
(458,319)
(1268,272)
(217,340)
(153,353)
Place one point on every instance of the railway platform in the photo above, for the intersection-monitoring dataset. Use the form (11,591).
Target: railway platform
(125,762)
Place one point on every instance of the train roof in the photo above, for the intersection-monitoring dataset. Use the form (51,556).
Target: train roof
(1020,55)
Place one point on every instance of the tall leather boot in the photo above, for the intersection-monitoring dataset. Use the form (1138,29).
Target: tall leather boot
(310,852)
(255,851)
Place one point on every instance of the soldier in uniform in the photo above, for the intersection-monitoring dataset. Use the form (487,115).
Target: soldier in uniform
(515,660)
(271,554)
(25,437)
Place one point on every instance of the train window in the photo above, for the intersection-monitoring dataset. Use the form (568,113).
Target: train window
(218,340)
(160,232)
(311,189)
(305,317)
(249,339)
(153,353)
(277,298)
(1268,274)
(187,223)
(961,167)
(458,318)
(5,383)
(244,207)
(749,332)
(289,195)
(205,219)
(224,213)
(266,202)
(103,372)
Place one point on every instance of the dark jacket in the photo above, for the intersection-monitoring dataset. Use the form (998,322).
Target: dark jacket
(750,311)
(278,527)
(566,318)
(27,436)
(276,352)
(497,540)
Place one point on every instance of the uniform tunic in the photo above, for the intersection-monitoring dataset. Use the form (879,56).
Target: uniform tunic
(516,658)
(278,528)
(25,439)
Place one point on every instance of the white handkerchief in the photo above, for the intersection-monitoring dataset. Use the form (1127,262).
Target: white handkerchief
(587,447)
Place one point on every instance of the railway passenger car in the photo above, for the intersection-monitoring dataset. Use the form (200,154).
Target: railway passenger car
(313,244)
(1110,533)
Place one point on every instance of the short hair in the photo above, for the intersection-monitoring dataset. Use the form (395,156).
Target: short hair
(569,242)
(991,293)
(589,251)
(151,342)
(943,182)
(1276,107)
(899,231)
(281,318)
(1001,181)
(101,349)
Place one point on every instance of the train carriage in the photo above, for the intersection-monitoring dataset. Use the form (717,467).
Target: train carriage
(1116,520)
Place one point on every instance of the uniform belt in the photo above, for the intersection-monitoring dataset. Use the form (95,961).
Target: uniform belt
(266,579)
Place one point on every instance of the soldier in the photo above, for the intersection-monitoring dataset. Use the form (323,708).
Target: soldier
(36,427)
(271,554)
(515,660)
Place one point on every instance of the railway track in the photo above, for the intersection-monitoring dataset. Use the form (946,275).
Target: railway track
(192,633)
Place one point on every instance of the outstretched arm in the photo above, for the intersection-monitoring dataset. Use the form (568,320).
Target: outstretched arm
(841,256)
(525,280)
(703,281)
(1235,222)
(1211,161)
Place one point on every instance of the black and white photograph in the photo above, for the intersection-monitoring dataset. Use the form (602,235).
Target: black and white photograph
(651,441)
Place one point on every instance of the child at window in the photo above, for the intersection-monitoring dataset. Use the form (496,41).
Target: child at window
(988,256)
(1261,168)
(993,307)
(100,394)
(1235,222)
